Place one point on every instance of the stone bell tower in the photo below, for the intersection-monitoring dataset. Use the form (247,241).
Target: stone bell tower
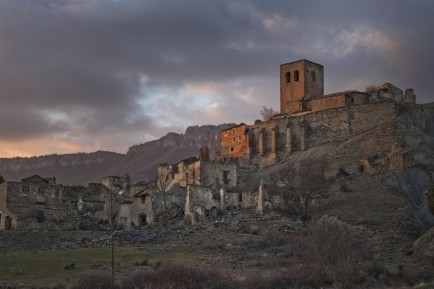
(300,81)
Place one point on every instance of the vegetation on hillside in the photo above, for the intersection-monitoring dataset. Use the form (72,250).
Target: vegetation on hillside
(430,199)
(300,186)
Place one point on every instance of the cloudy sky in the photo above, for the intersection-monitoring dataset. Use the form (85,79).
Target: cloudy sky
(87,75)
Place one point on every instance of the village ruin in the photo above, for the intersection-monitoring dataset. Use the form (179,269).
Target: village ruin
(200,187)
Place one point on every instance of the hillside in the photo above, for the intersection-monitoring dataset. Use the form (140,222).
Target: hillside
(80,168)
(140,161)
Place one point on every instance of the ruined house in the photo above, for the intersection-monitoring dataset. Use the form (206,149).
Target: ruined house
(34,203)
(37,203)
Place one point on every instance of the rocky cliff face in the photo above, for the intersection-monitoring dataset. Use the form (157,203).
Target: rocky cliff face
(140,161)
(80,168)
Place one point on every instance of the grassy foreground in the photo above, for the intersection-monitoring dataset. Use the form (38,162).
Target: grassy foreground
(49,267)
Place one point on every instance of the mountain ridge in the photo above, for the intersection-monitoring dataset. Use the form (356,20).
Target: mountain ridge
(140,161)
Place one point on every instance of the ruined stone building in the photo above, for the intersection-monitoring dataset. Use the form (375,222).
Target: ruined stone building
(309,118)
(199,186)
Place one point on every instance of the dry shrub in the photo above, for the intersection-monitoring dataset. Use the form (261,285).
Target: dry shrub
(275,281)
(170,276)
(430,199)
(95,281)
(270,240)
(338,254)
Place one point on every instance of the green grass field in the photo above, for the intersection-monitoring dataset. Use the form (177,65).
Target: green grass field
(49,267)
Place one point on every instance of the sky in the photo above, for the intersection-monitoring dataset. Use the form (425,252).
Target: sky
(88,75)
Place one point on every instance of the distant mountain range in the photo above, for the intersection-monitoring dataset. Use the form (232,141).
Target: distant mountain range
(140,161)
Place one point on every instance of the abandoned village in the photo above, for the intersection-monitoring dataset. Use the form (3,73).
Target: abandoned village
(201,187)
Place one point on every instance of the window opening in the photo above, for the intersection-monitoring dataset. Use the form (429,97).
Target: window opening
(288,77)
(142,219)
(296,75)
(8,223)
(226,179)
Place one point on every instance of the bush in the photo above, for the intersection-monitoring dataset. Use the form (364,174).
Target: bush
(275,281)
(95,281)
(339,255)
(169,276)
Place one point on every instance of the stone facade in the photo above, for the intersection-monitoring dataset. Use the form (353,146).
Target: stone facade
(38,203)
(234,141)
(35,203)
(8,220)
(300,81)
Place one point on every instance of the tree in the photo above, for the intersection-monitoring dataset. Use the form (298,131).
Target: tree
(301,185)
(267,112)
(430,199)
(163,182)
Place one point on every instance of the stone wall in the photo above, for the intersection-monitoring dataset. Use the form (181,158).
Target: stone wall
(8,220)
(365,117)
(234,141)
(277,138)
(220,174)
(328,102)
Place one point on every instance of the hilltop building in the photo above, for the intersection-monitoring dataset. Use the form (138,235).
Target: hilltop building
(308,117)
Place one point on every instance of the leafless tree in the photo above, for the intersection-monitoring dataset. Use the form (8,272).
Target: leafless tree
(163,182)
(301,185)
(430,199)
(267,112)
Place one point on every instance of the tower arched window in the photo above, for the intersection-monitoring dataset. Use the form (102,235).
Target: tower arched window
(288,77)
(312,75)
(296,75)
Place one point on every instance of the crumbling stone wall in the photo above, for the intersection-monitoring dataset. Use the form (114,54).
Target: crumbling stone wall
(277,138)
(219,174)
(38,205)
(8,220)
(401,160)
(386,91)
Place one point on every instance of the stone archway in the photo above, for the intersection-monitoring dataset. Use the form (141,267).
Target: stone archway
(8,223)
(142,220)
(213,212)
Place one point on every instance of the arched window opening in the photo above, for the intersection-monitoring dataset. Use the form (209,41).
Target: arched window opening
(296,75)
(142,220)
(312,75)
(288,77)
(8,223)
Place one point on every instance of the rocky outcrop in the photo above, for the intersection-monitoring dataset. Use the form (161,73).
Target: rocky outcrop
(141,161)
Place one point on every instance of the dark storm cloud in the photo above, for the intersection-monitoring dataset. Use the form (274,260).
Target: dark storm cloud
(88,68)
